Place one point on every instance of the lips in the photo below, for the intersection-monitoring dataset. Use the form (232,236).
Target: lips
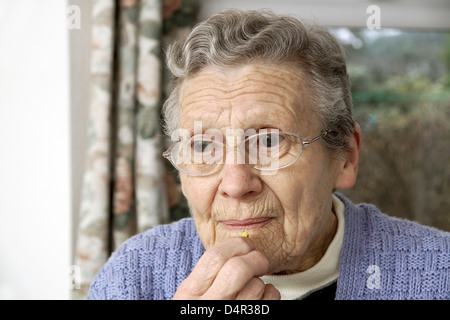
(247,224)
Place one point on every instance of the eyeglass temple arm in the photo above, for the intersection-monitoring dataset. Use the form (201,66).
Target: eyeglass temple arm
(308,142)
(166,154)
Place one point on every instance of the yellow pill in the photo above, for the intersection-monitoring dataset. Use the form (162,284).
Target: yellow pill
(245,234)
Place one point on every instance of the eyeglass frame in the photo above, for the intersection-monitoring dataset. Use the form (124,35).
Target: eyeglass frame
(305,143)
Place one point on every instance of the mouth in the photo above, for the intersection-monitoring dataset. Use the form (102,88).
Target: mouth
(246,224)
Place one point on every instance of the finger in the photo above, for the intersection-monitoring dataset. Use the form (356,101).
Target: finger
(254,290)
(271,293)
(236,273)
(209,265)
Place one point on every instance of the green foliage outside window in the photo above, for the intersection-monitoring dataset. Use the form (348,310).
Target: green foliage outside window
(401,94)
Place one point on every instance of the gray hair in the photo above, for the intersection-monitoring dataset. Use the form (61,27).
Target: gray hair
(236,37)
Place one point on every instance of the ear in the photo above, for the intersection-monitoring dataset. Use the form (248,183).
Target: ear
(348,169)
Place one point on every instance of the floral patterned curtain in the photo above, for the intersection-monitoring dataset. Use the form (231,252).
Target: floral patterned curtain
(127,185)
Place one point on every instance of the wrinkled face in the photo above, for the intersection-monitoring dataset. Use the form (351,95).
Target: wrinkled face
(287,214)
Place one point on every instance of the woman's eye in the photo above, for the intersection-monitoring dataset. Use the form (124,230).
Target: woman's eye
(200,145)
(270,140)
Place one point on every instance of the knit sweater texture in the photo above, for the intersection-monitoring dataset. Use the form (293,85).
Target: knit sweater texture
(382,258)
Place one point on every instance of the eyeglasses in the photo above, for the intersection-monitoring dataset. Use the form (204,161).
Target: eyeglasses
(268,151)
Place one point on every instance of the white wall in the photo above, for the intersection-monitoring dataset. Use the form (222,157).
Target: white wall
(414,14)
(79,47)
(34,150)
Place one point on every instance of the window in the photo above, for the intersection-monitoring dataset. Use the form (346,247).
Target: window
(401,95)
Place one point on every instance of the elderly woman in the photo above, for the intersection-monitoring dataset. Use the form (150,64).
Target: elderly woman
(261,119)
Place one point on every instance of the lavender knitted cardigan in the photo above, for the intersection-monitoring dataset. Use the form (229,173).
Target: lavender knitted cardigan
(382,258)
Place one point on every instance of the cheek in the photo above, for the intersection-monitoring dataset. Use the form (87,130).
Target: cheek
(304,195)
(200,197)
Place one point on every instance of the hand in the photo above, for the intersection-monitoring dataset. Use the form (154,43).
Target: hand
(229,270)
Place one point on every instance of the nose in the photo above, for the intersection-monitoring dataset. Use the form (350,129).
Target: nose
(239,182)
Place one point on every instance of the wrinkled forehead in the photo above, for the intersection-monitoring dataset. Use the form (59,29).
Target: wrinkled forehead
(249,96)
